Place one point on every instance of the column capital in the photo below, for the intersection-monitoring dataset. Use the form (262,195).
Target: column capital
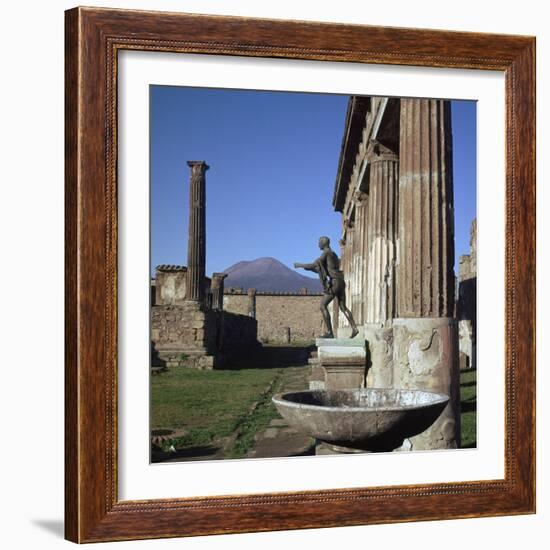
(200,163)
(348,224)
(359,196)
(217,279)
(198,168)
(377,152)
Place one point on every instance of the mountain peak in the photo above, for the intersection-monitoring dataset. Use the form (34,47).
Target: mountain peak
(268,274)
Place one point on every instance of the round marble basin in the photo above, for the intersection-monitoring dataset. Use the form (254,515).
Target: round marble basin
(367,419)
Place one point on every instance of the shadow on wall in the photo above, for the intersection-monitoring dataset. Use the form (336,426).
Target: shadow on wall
(268,357)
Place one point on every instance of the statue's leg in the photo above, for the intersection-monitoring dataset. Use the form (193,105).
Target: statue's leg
(347,313)
(325,301)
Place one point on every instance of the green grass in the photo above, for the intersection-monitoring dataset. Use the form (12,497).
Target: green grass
(210,405)
(468,403)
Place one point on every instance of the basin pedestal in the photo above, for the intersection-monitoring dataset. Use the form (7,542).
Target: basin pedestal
(342,362)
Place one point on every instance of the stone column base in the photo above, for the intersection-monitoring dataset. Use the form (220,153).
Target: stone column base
(425,357)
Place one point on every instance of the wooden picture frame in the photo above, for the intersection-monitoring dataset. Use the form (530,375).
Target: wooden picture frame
(93,39)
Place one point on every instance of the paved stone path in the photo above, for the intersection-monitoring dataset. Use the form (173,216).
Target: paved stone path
(279,440)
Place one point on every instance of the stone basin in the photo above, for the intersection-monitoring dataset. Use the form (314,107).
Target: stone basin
(366,419)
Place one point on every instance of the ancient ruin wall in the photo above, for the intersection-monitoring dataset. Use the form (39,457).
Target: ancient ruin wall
(192,336)
(236,303)
(466,307)
(282,318)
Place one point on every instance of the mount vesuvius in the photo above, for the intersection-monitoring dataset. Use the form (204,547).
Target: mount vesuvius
(268,275)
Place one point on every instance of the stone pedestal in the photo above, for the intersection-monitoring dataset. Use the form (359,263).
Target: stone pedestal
(343,364)
(343,361)
(345,332)
(425,357)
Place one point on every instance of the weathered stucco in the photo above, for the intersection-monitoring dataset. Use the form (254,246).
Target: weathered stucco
(170,285)
(425,356)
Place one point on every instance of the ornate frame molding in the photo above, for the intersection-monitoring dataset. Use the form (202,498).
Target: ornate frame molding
(93,38)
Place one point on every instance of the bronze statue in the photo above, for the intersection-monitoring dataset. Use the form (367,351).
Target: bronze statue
(327,266)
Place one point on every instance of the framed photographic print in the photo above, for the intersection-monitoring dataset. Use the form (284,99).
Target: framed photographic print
(300,275)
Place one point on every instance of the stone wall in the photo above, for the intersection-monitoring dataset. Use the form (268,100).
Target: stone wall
(235,303)
(282,318)
(183,334)
(189,335)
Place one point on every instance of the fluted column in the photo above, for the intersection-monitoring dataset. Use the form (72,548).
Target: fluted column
(196,248)
(354,292)
(426,240)
(382,233)
(361,211)
(425,336)
(363,200)
(346,265)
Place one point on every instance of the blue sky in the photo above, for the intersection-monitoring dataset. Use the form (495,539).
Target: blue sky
(273,158)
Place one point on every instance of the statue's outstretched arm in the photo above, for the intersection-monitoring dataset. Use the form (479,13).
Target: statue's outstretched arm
(315,266)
